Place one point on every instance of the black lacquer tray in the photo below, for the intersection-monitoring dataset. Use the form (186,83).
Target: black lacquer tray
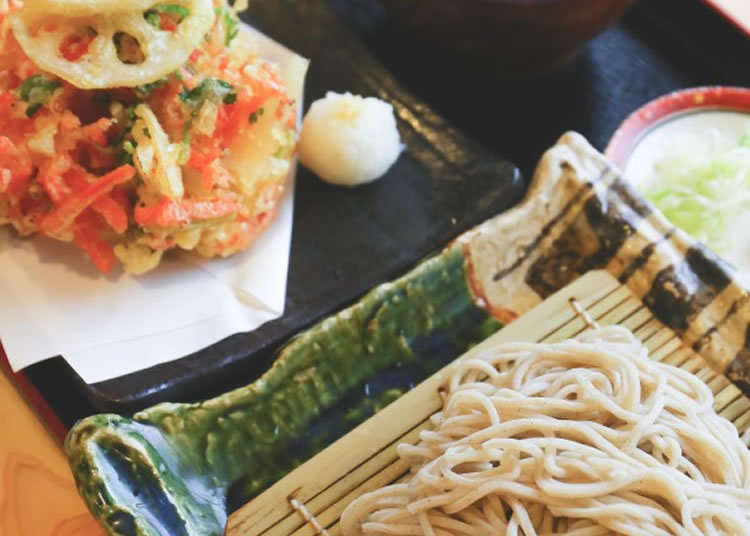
(463,125)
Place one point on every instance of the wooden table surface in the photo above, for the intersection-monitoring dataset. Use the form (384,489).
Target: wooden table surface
(37,493)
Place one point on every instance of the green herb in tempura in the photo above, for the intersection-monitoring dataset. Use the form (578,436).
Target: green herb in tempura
(121,139)
(145,90)
(126,152)
(231,24)
(37,90)
(154,15)
(704,194)
(256,115)
(211,89)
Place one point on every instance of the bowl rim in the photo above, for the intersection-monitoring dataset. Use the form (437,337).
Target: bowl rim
(654,113)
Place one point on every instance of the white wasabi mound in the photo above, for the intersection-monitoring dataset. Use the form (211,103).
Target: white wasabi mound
(349,140)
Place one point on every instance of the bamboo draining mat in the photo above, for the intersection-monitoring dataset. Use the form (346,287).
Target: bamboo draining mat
(310,500)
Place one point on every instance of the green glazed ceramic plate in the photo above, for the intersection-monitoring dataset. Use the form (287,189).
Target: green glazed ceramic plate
(177,469)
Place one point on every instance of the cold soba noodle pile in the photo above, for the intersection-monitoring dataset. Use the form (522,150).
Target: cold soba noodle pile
(585,437)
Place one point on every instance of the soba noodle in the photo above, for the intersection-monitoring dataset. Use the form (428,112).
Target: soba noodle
(586,437)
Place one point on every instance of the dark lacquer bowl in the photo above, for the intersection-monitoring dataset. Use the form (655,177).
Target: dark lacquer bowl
(516,37)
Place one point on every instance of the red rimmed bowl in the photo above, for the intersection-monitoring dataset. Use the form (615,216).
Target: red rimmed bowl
(672,107)
(689,152)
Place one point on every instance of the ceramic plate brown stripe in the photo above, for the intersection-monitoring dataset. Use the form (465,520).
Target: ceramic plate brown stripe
(606,225)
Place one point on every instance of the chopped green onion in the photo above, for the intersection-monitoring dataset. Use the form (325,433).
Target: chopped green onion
(33,109)
(210,89)
(231,24)
(231,27)
(173,9)
(153,15)
(154,19)
(703,194)
(256,115)
(37,90)
(145,90)
(126,158)
(34,85)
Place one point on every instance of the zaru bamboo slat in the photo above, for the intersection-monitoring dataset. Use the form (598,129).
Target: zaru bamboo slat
(365,459)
